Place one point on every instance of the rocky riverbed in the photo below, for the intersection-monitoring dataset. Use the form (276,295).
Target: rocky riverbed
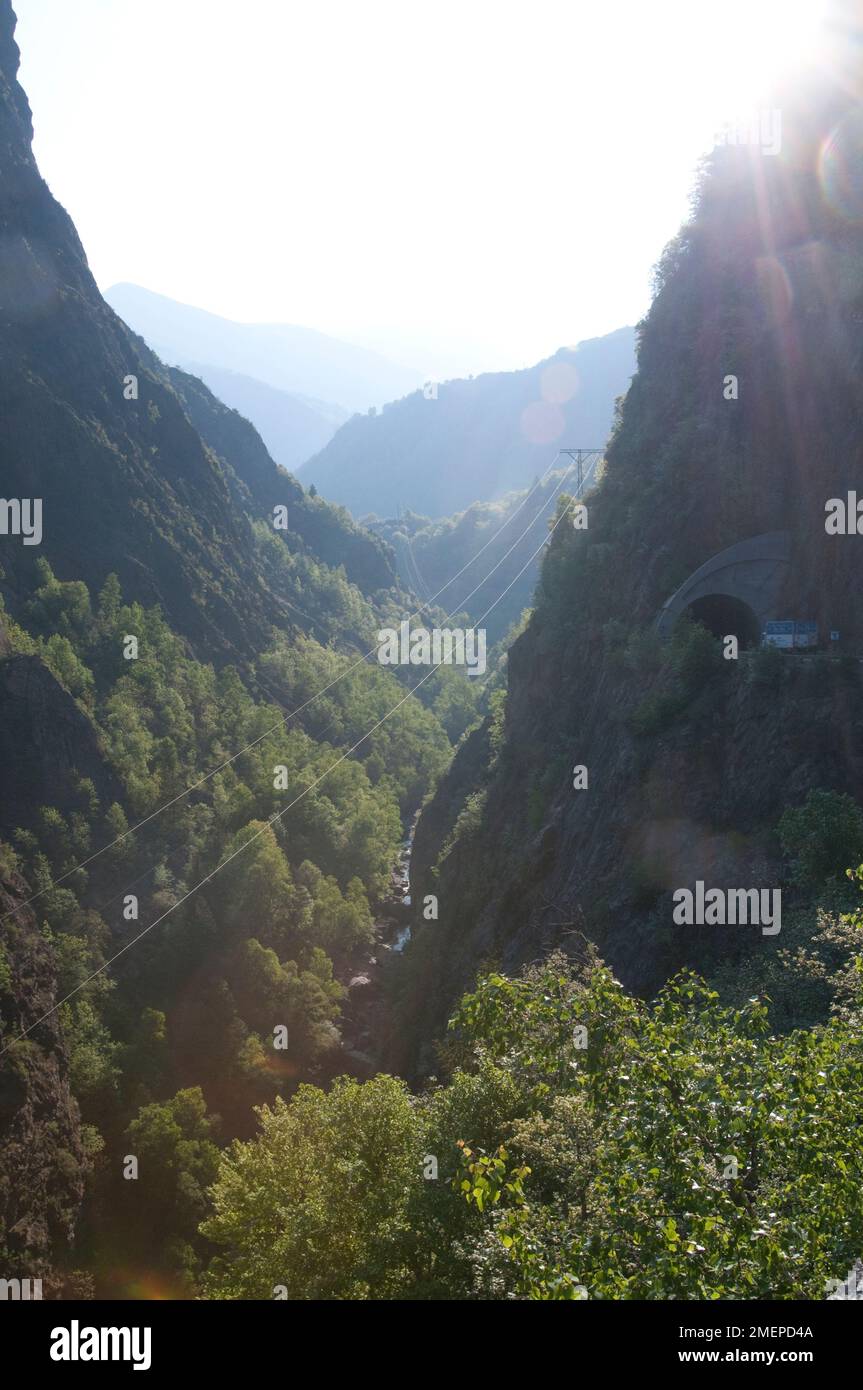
(362,1009)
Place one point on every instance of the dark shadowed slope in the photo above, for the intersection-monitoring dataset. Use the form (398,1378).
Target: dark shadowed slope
(126,482)
(691,758)
(292,427)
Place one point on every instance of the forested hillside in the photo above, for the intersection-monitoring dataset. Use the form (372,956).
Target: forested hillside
(490,549)
(457,442)
(155,645)
(241,1056)
(292,427)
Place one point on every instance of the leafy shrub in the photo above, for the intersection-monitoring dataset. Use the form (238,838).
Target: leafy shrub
(822,836)
(692,657)
(765,667)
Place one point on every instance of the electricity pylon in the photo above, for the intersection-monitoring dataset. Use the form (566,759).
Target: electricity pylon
(581,457)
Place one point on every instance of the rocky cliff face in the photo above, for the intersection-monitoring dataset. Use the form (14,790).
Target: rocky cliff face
(41,1158)
(688,769)
(544,865)
(47,746)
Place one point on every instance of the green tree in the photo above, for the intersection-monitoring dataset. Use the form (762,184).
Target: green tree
(178,1159)
(318,1203)
(822,836)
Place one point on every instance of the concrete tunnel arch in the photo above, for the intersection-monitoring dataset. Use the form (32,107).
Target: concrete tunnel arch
(738,588)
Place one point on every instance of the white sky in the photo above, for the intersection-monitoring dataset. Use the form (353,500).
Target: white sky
(465,184)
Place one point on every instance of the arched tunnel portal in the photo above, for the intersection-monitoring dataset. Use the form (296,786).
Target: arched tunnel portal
(723,614)
(736,591)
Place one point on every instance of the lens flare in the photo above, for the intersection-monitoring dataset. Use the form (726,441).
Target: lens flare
(840,167)
(542,422)
(560,382)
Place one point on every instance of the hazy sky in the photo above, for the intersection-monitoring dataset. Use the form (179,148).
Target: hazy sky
(466,185)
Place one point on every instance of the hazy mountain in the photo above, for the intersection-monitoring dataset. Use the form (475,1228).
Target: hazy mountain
(479,438)
(294,359)
(292,427)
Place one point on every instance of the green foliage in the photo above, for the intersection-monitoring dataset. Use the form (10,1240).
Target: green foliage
(5,970)
(177,1161)
(318,1204)
(765,667)
(9,863)
(822,836)
(670,1088)
(194,752)
(455,703)
(269,994)
(811,975)
(467,822)
(438,556)
(410,750)
(497,724)
(59,656)
(59,608)
(673,1150)
(691,659)
(93,1057)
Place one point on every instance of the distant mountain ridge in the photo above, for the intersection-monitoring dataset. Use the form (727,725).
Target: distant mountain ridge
(293,427)
(285,356)
(476,439)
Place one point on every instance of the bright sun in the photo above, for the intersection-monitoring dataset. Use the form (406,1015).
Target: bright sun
(765,39)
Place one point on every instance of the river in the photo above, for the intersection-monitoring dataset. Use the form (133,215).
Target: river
(363,1011)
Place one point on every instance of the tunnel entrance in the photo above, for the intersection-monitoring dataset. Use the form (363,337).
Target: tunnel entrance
(722,614)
